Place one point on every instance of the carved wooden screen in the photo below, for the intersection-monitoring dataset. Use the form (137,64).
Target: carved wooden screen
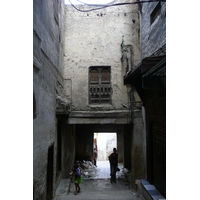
(99,85)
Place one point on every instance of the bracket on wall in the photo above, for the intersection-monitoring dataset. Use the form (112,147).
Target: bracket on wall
(62,105)
(132,105)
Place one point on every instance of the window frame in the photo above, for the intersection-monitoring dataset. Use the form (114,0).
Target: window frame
(99,88)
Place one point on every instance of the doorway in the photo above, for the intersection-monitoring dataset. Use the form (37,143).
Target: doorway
(104,144)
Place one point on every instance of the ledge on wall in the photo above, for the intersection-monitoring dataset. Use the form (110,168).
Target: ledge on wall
(148,191)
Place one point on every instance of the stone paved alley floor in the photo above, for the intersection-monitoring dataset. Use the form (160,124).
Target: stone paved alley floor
(96,185)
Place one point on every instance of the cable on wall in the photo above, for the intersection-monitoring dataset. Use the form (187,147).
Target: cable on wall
(109,5)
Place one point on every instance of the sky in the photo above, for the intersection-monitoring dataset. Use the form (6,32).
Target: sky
(89,1)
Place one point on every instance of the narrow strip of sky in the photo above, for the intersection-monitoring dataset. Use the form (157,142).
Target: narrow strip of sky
(89,1)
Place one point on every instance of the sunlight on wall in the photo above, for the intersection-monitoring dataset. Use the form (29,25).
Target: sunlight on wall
(105,144)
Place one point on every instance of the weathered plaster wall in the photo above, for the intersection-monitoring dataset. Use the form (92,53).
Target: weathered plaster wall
(127,146)
(138,150)
(48,43)
(94,39)
(68,149)
(153,36)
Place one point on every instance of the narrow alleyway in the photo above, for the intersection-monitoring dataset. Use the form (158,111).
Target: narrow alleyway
(98,186)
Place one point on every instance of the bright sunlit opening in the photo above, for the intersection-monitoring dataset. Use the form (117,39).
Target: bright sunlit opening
(88,1)
(104,144)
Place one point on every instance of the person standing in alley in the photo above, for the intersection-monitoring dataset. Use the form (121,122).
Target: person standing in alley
(113,158)
(95,157)
(78,178)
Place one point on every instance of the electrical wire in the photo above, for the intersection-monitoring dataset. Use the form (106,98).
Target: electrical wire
(109,5)
(90,4)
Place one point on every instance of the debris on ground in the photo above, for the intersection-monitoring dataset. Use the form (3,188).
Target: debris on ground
(87,168)
(127,174)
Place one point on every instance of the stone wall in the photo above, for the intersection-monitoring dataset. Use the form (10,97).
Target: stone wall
(138,150)
(127,146)
(153,36)
(94,39)
(156,138)
(48,82)
(68,149)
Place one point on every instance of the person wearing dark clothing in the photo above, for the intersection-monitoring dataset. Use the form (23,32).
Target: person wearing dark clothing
(113,159)
(95,157)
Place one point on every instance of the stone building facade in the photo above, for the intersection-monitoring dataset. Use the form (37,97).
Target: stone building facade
(52,139)
(93,39)
(149,80)
(81,61)
(107,39)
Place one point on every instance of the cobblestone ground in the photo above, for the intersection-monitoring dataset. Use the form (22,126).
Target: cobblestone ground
(98,186)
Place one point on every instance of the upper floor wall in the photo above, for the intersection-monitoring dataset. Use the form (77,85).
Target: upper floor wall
(48,45)
(93,54)
(153,27)
(48,27)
